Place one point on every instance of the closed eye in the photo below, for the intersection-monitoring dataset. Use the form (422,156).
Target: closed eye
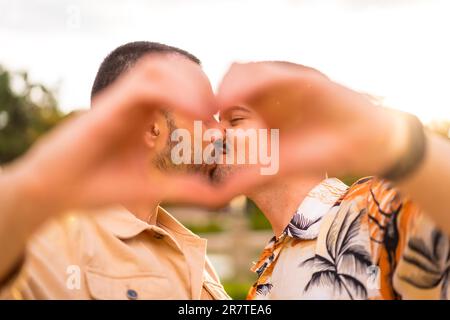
(235,121)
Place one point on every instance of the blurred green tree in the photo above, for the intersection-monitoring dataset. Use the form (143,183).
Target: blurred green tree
(27,110)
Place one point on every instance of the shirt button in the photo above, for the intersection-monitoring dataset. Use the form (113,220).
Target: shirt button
(158,236)
(132,294)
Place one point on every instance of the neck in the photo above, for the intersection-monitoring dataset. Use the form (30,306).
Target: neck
(279,200)
(147,213)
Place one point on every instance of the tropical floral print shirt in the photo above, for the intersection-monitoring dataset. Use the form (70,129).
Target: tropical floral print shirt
(360,242)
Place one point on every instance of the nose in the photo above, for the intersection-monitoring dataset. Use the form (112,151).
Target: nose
(212,123)
(222,128)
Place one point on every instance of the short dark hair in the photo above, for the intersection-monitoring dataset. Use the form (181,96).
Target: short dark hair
(124,57)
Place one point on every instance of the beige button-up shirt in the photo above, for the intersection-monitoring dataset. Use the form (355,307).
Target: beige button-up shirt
(114,255)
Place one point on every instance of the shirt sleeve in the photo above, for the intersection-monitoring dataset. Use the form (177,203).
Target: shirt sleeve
(43,271)
(413,255)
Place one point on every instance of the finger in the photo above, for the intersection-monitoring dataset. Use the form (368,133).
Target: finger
(242,181)
(177,83)
(240,84)
(160,82)
(192,190)
(311,154)
(246,82)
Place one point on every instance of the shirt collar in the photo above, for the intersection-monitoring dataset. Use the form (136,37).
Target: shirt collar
(124,225)
(305,223)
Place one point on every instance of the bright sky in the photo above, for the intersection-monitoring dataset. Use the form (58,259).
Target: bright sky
(397,49)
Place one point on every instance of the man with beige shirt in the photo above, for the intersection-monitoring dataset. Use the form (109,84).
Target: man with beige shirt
(114,255)
(135,250)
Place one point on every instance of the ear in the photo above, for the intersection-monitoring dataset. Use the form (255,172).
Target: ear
(152,135)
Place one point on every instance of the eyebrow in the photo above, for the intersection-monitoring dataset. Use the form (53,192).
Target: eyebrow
(236,108)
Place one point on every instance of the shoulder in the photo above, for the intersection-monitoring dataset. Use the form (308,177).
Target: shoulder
(377,194)
(65,235)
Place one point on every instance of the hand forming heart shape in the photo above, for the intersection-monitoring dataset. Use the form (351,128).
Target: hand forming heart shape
(99,157)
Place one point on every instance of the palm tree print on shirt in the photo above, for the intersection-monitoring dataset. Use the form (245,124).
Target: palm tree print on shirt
(432,259)
(347,256)
(264,289)
(299,226)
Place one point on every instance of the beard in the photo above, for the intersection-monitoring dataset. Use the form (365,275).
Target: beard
(163,160)
(223,172)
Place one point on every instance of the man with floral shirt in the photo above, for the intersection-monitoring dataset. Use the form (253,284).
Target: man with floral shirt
(355,243)
(366,241)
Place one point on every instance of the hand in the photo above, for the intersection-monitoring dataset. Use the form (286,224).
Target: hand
(99,157)
(323,126)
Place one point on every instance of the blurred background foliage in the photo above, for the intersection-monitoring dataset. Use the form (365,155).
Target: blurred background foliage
(28,110)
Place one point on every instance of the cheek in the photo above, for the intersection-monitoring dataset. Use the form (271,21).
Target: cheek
(249,135)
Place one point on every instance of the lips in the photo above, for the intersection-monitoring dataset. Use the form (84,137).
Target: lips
(220,146)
